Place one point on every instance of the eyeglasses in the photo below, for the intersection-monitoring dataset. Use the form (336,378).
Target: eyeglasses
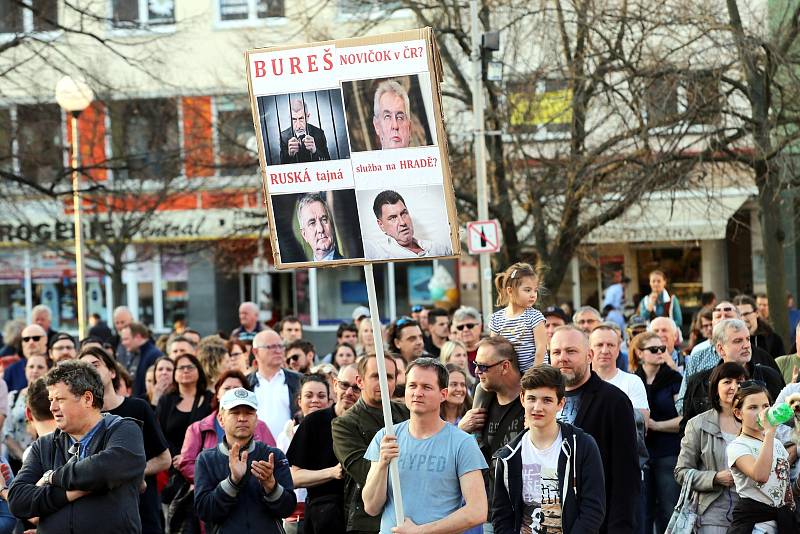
(293,357)
(344,386)
(235,354)
(725,309)
(656,350)
(188,367)
(482,367)
(466,325)
(274,346)
(749,383)
(29,338)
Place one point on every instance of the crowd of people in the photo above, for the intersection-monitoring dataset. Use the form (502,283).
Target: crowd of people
(530,421)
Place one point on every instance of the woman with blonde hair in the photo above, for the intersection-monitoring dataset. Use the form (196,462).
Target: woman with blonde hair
(212,353)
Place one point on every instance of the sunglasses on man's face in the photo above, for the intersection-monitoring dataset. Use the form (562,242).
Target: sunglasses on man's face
(466,325)
(482,367)
(726,309)
(31,338)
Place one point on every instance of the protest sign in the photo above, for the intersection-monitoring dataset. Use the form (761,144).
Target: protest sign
(353,151)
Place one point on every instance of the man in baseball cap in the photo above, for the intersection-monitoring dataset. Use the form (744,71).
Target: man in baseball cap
(242,485)
(361,312)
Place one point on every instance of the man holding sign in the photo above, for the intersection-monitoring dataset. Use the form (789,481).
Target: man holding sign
(303,142)
(440,466)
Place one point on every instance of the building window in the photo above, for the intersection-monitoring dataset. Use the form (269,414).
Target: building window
(250,10)
(236,138)
(32,16)
(367,8)
(145,139)
(40,147)
(688,98)
(661,100)
(142,13)
(703,99)
(546,112)
(6,141)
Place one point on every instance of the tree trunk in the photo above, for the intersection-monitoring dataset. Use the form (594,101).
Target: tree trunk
(773,237)
(117,287)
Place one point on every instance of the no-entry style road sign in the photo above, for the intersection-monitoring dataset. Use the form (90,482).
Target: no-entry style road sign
(483,237)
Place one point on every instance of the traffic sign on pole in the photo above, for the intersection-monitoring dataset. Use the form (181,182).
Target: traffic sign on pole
(483,237)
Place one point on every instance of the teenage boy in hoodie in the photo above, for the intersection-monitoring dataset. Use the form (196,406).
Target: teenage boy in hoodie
(550,477)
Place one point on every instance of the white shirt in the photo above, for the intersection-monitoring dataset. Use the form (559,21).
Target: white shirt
(633,387)
(273,401)
(388,248)
(541,499)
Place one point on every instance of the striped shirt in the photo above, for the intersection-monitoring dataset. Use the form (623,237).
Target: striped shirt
(519,331)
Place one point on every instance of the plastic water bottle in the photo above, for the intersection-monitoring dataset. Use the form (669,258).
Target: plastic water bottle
(778,414)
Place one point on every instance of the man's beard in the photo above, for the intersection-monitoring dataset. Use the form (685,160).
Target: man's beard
(577,377)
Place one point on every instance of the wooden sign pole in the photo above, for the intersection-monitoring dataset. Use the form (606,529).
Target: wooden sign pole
(394,473)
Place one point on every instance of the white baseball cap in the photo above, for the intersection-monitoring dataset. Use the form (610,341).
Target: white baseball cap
(239,397)
(359,312)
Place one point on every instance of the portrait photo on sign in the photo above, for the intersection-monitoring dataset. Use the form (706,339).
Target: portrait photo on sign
(404,222)
(303,127)
(317,226)
(388,113)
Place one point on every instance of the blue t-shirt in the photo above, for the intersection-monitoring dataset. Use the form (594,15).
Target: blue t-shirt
(571,406)
(429,472)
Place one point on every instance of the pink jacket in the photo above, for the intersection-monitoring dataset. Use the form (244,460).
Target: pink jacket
(202,435)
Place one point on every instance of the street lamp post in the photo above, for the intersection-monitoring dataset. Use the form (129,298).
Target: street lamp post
(74,96)
(480,157)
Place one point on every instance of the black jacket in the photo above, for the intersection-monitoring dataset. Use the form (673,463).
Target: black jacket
(352,434)
(112,471)
(580,483)
(303,155)
(696,400)
(292,381)
(606,414)
(765,338)
(246,508)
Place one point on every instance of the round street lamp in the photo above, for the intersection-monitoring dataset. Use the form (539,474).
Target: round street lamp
(74,96)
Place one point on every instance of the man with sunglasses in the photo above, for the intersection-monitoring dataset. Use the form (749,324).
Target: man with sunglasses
(468,327)
(499,422)
(314,464)
(34,343)
(731,339)
(300,355)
